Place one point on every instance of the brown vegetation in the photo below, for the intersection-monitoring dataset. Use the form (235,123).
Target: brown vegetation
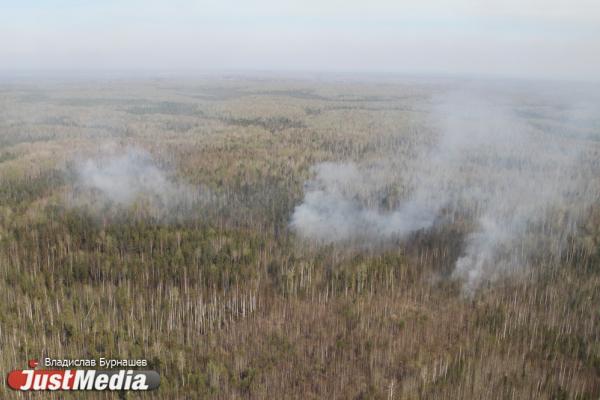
(226,303)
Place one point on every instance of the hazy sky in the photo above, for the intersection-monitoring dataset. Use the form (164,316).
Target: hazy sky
(528,38)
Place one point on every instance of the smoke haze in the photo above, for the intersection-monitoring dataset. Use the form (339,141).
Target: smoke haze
(498,164)
(551,39)
(132,177)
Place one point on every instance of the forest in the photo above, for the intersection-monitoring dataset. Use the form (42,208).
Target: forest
(291,238)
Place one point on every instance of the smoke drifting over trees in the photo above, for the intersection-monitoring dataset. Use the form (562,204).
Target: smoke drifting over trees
(327,230)
(491,168)
(129,177)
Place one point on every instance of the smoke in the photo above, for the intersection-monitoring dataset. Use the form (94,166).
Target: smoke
(336,206)
(514,168)
(132,178)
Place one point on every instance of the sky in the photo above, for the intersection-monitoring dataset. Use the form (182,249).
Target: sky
(545,39)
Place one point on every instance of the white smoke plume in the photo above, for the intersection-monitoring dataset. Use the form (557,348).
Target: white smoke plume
(508,167)
(129,178)
(335,207)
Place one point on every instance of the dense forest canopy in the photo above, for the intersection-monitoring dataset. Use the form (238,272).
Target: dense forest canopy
(291,238)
